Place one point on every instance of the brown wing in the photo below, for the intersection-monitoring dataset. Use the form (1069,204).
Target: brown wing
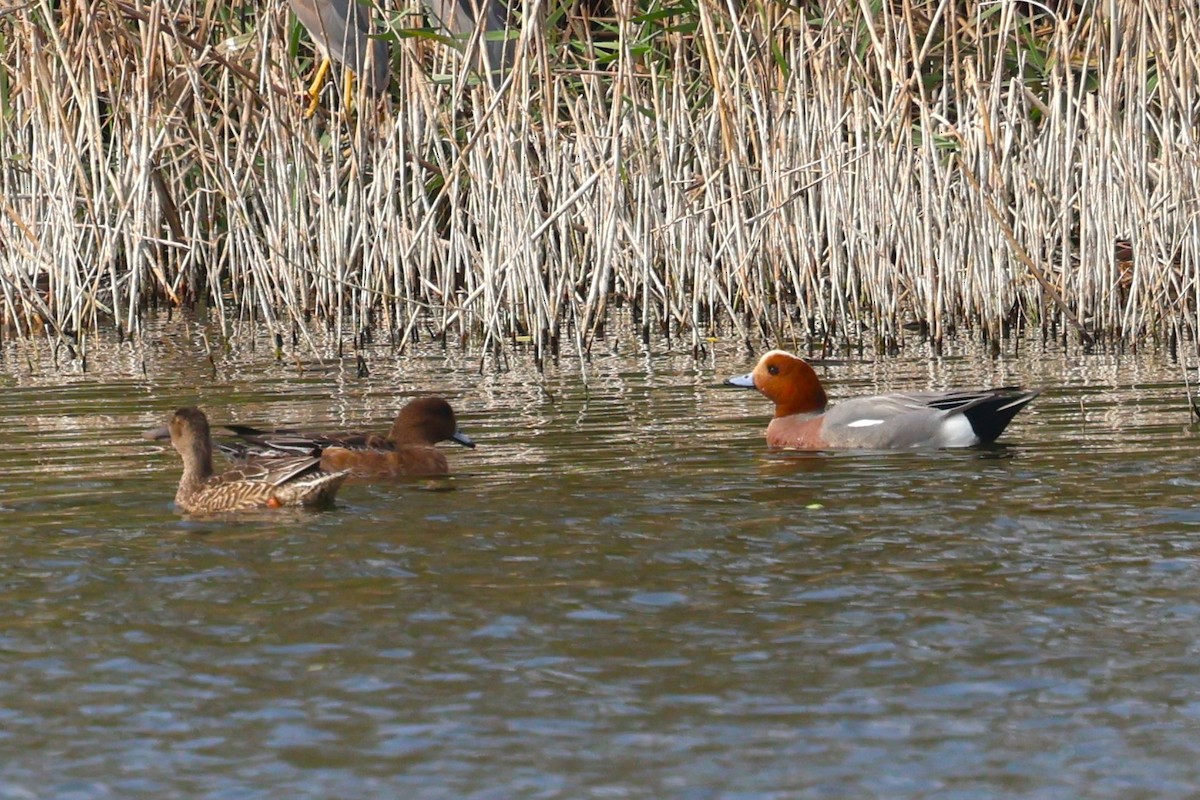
(270,471)
(261,443)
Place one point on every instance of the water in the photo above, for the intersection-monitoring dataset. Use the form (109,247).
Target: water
(620,593)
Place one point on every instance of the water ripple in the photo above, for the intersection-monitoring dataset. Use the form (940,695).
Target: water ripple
(620,593)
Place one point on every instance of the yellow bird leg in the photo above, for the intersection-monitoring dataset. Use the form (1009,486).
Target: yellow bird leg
(314,91)
(348,90)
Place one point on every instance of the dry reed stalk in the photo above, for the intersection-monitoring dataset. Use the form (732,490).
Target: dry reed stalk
(838,172)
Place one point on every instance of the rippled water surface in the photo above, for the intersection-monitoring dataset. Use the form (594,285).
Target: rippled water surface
(620,593)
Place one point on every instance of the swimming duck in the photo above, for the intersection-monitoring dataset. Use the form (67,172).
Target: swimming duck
(406,450)
(804,420)
(289,481)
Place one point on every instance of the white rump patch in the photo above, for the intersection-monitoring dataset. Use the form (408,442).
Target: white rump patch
(957,432)
(864,423)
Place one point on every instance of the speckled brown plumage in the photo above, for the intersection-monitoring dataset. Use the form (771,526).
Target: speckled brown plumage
(270,483)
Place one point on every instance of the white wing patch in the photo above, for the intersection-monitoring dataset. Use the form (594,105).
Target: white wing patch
(864,423)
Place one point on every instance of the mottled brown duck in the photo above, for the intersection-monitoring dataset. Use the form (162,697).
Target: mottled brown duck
(265,483)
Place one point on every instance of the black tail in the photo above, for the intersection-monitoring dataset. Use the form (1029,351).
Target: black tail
(990,414)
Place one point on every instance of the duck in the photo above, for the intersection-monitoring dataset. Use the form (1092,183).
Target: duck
(406,450)
(273,483)
(804,419)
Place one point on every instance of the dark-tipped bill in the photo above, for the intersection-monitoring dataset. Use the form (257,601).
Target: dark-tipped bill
(744,381)
(463,439)
(157,434)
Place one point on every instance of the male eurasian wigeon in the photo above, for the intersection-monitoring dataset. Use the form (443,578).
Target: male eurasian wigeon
(294,481)
(406,450)
(804,420)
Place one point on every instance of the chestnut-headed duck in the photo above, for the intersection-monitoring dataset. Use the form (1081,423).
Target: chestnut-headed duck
(406,450)
(804,420)
(289,481)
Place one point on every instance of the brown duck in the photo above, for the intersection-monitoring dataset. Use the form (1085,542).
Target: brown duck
(408,449)
(269,483)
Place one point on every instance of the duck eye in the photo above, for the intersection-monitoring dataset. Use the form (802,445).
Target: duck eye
(773,369)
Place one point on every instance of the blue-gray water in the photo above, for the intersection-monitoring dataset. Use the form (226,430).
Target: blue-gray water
(620,593)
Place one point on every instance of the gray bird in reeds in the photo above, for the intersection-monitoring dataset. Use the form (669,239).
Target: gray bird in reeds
(462,17)
(342,29)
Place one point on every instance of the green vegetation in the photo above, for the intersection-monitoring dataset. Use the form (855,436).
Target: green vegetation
(827,170)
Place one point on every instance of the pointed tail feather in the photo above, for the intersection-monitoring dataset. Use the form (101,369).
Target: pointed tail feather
(991,413)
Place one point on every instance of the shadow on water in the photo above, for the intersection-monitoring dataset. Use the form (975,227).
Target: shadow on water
(620,593)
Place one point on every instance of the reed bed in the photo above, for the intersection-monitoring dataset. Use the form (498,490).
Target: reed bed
(823,172)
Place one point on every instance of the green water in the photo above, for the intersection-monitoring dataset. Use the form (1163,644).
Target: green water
(620,593)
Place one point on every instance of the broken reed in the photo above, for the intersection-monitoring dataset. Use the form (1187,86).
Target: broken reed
(828,170)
